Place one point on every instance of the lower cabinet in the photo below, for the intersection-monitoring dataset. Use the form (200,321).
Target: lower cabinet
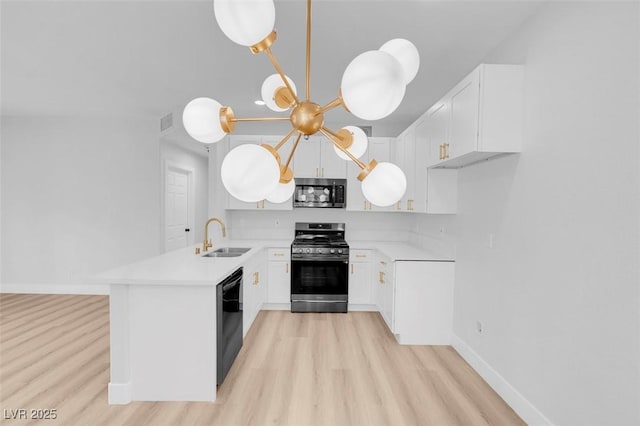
(360,274)
(279,289)
(385,289)
(254,289)
(423,302)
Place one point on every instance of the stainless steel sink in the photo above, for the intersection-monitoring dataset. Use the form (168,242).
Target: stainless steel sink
(228,252)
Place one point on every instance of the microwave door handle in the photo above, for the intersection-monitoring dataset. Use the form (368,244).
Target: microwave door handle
(333,194)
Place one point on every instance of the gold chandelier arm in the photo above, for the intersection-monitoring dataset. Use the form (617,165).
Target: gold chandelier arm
(308,77)
(276,65)
(333,104)
(336,142)
(293,150)
(235,119)
(284,140)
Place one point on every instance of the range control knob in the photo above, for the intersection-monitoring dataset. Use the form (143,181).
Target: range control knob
(332,251)
(308,250)
(339,251)
(319,251)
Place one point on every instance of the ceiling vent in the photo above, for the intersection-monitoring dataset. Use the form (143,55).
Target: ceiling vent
(366,130)
(166,122)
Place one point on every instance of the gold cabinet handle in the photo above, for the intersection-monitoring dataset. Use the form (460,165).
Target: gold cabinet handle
(322,172)
(361,255)
(440,152)
(352,268)
(287,268)
(256,278)
(398,207)
(380,277)
(446,151)
(382,262)
(382,274)
(278,254)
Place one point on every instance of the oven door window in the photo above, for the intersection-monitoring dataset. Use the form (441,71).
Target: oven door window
(319,277)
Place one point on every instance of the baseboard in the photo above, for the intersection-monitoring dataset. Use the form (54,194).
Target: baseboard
(119,393)
(365,308)
(54,289)
(525,409)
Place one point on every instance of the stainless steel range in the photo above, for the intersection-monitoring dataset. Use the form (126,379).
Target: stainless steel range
(319,268)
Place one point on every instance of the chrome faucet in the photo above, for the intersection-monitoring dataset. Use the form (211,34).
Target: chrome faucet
(206,245)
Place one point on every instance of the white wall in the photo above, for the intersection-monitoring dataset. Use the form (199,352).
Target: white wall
(558,295)
(78,196)
(174,154)
(359,225)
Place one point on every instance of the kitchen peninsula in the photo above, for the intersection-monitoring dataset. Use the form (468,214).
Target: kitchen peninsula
(163,315)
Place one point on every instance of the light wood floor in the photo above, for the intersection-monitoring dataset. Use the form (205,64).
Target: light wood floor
(294,369)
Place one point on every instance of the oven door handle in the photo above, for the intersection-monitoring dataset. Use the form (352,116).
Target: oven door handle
(295,259)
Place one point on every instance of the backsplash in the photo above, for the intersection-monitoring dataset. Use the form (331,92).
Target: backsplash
(264,224)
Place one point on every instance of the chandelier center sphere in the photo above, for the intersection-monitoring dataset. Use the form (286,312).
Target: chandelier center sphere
(307,118)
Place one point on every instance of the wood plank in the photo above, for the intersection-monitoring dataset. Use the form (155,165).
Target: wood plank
(312,369)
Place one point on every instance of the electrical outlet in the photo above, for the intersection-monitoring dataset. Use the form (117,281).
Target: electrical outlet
(479,327)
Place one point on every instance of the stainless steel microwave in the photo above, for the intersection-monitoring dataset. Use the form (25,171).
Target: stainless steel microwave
(320,193)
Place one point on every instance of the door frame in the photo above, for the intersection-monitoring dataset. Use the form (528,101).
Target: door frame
(168,165)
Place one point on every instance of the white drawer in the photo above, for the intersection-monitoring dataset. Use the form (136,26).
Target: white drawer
(276,254)
(358,255)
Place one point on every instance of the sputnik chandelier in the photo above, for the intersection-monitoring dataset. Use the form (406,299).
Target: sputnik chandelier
(372,87)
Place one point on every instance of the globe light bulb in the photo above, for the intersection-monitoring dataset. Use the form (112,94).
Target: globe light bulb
(246,22)
(201,119)
(268,91)
(407,54)
(358,146)
(250,173)
(385,185)
(373,85)
(282,193)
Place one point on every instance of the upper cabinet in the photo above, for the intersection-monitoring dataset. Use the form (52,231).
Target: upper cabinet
(316,158)
(378,149)
(482,116)
(233,203)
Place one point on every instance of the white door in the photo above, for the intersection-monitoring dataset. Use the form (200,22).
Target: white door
(176,209)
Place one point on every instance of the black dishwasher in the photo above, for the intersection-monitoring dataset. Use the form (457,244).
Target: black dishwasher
(229,322)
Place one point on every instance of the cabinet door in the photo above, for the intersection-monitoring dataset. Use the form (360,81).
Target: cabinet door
(465,104)
(331,166)
(279,288)
(419,205)
(355,198)
(307,158)
(284,154)
(437,130)
(424,303)
(232,202)
(380,150)
(399,159)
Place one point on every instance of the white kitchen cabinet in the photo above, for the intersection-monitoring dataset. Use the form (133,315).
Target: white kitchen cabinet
(316,158)
(485,117)
(385,289)
(279,288)
(423,302)
(378,149)
(406,160)
(360,277)
(254,289)
(233,203)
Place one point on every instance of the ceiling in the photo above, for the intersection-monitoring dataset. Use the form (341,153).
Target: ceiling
(148,58)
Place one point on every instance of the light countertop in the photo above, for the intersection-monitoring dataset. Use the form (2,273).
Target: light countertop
(399,251)
(184,267)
